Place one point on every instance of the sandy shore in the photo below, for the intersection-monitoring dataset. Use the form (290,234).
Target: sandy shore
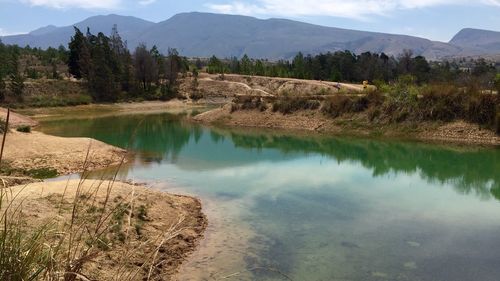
(459,132)
(35,150)
(158,238)
(16,120)
(170,225)
(101,110)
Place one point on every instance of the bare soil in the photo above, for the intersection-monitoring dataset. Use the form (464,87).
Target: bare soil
(35,150)
(222,90)
(84,111)
(156,242)
(16,120)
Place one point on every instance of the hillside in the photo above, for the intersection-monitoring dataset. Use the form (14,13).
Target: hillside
(51,36)
(205,34)
(485,40)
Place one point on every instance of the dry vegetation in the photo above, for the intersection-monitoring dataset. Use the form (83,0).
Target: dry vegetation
(95,230)
(401,109)
(86,229)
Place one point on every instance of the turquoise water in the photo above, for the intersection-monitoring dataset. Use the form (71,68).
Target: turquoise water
(318,208)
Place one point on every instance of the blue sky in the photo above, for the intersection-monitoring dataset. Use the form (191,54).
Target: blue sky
(433,19)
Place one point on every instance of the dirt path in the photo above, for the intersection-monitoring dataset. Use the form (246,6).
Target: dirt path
(170,225)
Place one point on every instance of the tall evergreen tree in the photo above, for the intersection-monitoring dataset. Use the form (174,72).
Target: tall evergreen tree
(76,49)
(299,66)
(3,89)
(103,83)
(146,69)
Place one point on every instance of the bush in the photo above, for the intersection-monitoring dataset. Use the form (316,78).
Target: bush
(497,122)
(2,126)
(24,129)
(288,104)
(441,102)
(360,104)
(373,113)
(482,109)
(337,105)
(42,173)
(248,103)
(375,97)
(59,100)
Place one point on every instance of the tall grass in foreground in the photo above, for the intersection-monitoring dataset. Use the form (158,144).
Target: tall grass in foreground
(87,226)
(23,254)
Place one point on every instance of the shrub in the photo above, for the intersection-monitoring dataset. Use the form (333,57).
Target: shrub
(497,122)
(2,126)
(24,129)
(373,113)
(288,104)
(248,103)
(59,100)
(337,105)
(360,104)
(23,255)
(482,109)
(375,97)
(42,173)
(441,102)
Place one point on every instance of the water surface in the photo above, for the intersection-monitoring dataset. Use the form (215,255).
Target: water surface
(318,208)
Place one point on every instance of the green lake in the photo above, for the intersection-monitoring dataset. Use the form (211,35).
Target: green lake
(314,207)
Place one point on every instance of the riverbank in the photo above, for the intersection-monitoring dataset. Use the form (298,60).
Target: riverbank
(459,132)
(148,233)
(145,233)
(110,109)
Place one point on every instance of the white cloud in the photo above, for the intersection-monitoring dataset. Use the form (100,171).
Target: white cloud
(146,2)
(340,8)
(4,32)
(85,4)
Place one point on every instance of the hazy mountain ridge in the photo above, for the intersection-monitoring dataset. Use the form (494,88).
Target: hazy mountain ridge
(485,40)
(204,34)
(51,36)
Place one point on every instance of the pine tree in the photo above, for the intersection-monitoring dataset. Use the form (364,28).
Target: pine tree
(16,79)
(497,83)
(77,47)
(102,81)
(146,69)
(299,66)
(2,89)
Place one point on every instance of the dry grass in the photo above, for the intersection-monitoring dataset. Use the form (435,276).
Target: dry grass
(94,230)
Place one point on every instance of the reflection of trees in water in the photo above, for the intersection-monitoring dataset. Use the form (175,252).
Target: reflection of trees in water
(469,171)
(153,137)
(162,137)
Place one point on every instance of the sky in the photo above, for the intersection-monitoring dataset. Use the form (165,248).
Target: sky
(434,19)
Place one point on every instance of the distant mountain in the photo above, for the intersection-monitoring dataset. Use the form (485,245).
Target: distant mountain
(43,30)
(205,34)
(486,41)
(52,36)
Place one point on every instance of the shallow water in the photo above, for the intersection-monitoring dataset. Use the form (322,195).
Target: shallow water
(318,208)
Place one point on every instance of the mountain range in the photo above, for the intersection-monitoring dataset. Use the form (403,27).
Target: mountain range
(205,34)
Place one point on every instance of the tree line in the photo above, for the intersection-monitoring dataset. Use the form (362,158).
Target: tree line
(112,72)
(345,66)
